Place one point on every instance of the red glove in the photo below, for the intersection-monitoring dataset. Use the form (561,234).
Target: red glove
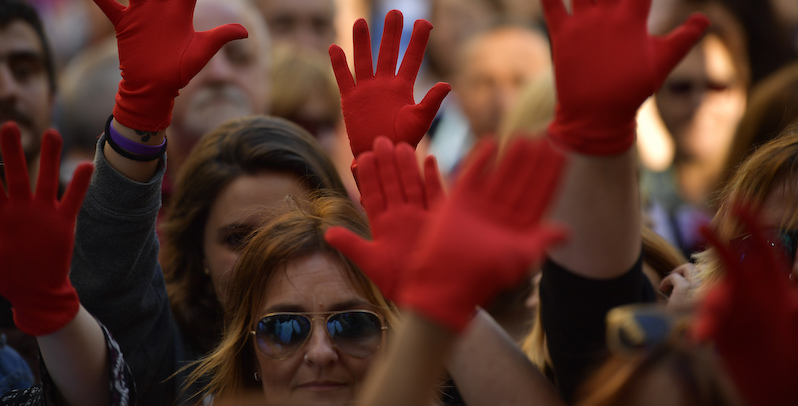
(397,203)
(752,317)
(37,233)
(606,65)
(486,236)
(382,103)
(159,53)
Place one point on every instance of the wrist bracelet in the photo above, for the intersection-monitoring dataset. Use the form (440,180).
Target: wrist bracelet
(131,149)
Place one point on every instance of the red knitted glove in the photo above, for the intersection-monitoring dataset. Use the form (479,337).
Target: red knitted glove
(159,53)
(382,103)
(752,317)
(484,238)
(397,203)
(37,233)
(605,65)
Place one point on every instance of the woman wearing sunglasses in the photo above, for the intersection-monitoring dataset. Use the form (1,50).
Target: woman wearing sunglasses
(306,324)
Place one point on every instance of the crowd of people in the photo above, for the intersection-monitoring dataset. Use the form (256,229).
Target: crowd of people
(601,209)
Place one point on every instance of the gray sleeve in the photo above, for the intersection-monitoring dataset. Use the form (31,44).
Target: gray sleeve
(115,268)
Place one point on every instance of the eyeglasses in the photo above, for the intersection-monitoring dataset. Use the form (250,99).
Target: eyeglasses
(784,242)
(643,327)
(357,332)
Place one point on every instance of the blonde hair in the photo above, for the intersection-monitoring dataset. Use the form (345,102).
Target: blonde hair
(533,111)
(769,167)
(295,233)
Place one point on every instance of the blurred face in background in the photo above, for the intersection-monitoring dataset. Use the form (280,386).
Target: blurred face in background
(234,83)
(702,101)
(304,23)
(493,67)
(25,93)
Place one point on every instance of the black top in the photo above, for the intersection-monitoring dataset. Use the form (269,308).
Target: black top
(573,311)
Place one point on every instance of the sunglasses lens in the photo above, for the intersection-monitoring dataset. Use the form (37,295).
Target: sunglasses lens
(281,335)
(357,333)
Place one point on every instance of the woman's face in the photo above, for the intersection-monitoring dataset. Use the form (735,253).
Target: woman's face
(319,372)
(237,210)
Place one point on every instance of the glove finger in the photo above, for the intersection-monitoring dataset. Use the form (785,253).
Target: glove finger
(371,195)
(554,12)
(204,46)
(352,246)
(673,47)
(389,46)
(389,173)
(112,9)
(768,268)
(729,257)
(510,167)
(16,172)
(477,165)
(362,50)
(414,55)
(47,182)
(407,166)
(341,69)
(432,102)
(433,188)
(539,239)
(547,174)
(581,6)
(76,191)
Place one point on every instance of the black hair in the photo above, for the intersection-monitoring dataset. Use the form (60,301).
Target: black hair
(13,10)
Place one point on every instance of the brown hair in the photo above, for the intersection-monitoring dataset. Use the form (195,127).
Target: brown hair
(243,146)
(696,369)
(297,232)
(768,168)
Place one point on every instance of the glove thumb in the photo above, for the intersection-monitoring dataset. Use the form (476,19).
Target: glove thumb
(670,49)
(204,46)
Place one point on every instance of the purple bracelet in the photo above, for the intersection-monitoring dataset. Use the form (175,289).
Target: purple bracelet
(134,147)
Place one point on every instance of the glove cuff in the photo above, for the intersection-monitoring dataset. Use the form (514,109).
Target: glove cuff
(143,109)
(592,141)
(47,313)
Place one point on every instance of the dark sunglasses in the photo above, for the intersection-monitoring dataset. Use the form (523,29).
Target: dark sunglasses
(357,332)
(643,327)
(784,242)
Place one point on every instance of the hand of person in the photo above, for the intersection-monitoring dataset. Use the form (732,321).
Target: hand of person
(37,233)
(605,65)
(398,204)
(676,286)
(382,103)
(159,53)
(751,316)
(486,235)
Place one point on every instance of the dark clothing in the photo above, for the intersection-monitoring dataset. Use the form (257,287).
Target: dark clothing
(121,384)
(573,310)
(116,273)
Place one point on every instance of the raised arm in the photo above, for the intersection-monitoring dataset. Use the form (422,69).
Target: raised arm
(115,266)
(605,65)
(461,254)
(386,95)
(36,240)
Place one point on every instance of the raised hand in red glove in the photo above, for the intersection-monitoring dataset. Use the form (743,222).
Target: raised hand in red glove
(159,52)
(398,204)
(382,103)
(751,316)
(605,66)
(37,233)
(486,235)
